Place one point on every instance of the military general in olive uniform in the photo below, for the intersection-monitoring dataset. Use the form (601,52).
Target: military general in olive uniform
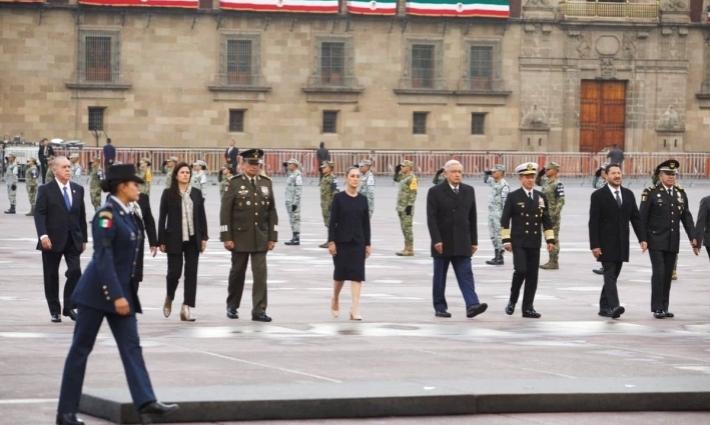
(248,228)
(406,197)
(328,189)
(32,183)
(663,208)
(554,191)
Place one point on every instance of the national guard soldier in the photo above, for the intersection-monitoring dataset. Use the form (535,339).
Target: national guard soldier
(663,207)
(11,179)
(328,189)
(527,209)
(31,183)
(440,177)
(50,174)
(496,200)
(367,184)
(97,174)
(145,174)
(226,173)
(249,198)
(75,167)
(169,165)
(406,197)
(554,191)
(294,185)
(199,178)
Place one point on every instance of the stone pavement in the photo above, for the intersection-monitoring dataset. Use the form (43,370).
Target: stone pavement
(399,338)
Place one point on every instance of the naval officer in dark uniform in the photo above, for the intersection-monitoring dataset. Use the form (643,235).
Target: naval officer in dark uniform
(248,228)
(663,207)
(106,290)
(527,209)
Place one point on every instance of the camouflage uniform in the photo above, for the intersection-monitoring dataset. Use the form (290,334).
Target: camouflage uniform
(75,172)
(406,197)
(11,179)
(50,174)
(439,177)
(367,188)
(328,188)
(147,176)
(199,179)
(294,184)
(554,191)
(169,171)
(31,183)
(223,185)
(97,174)
(496,201)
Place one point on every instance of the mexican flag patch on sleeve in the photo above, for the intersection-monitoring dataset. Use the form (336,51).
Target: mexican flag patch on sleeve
(105,223)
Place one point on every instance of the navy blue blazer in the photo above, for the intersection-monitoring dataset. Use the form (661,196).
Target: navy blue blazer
(52,218)
(116,246)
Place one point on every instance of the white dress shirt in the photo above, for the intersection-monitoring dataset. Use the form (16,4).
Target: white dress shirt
(613,192)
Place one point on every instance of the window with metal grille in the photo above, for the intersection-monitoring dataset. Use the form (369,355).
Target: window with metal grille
(239,62)
(478,123)
(419,122)
(98,58)
(96,118)
(481,67)
(332,63)
(423,65)
(330,121)
(236,120)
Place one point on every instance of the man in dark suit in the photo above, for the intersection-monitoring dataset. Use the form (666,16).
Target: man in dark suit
(248,199)
(451,218)
(45,151)
(60,220)
(663,207)
(230,156)
(109,154)
(702,226)
(527,209)
(612,208)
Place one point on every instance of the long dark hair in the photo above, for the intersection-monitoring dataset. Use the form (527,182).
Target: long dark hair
(174,190)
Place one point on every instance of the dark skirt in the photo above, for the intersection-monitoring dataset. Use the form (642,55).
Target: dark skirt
(349,262)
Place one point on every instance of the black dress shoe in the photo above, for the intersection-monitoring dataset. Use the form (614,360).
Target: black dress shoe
(617,312)
(261,318)
(68,419)
(531,314)
(157,408)
(232,313)
(476,309)
(669,314)
(56,318)
(659,314)
(600,270)
(604,313)
(70,313)
(510,309)
(442,313)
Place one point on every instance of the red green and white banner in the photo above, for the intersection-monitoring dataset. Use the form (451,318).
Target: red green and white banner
(188,4)
(302,6)
(372,7)
(486,8)
(21,1)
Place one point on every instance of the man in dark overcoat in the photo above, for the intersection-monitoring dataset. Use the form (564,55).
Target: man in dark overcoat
(611,210)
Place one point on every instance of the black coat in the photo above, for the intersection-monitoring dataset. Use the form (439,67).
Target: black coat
(523,218)
(349,219)
(231,157)
(147,228)
(54,220)
(702,225)
(662,214)
(170,221)
(451,219)
(41,156)
(609,224)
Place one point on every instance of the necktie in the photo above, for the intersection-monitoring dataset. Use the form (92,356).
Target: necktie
(456,190)
(618,198)
(253,183)
(530,195)
(67,201)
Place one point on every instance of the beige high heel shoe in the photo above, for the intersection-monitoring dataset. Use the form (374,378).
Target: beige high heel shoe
(167,307)
(333,311)
(185,314)
(355,316)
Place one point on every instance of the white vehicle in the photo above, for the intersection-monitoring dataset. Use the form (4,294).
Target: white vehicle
(22,154)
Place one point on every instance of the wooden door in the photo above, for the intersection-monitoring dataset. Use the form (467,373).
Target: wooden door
(602,115)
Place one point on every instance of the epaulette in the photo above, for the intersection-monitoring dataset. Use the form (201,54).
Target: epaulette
(106,214)
(265,177)
(679,187)
(650,188)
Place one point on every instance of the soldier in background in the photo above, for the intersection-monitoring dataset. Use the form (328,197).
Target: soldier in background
(226,173)
(554,191)
(49,176)
(145,174)
(406,198)
(95,178)
(169,165)
(440,177)
(367,184)
(328,189)
(294,185)
(199,178)
(75,167)
(496,200)
(31,183)
(11,179)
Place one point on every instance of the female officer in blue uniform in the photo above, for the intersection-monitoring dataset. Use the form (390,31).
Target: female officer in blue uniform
(105,291)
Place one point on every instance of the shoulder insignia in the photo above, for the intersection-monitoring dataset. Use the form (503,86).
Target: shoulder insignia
(106,214)
(679,187)
(264,176)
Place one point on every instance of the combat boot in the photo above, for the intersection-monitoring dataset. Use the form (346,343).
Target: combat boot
(295,240)
(31,213)
(408,250)
(11,210)
(497,260)
(551,264)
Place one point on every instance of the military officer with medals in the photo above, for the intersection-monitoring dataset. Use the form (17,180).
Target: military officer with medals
(95,178)
(32,183)
(524,214)
(663,207)
(248,228)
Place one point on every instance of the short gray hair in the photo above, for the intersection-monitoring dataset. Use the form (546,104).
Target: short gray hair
(451,162)
(55,161)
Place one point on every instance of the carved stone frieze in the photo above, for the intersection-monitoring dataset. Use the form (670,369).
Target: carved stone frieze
(607,68)
(670,121)
(535,119)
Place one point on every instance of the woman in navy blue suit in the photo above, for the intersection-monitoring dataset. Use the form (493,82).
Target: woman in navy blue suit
(349,241)
(105,290)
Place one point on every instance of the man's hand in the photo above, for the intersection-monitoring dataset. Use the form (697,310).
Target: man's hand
(204,246)
(83,247)
(154,250)
(368,251)
(597,252)
(294,208)
(474,248)
(696,250)
(162,249)
(122,306)
(550,246)
(332,249)
(439,247)
(644,246)
(508,247)
(271,245)
(46,243)
(229,245)
(694,243)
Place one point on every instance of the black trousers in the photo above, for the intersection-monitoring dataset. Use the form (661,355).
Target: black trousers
(662,263)
(707,248)
(191,255)
(50,266)
(526,263)
(43,170)
(609,299)
(237,274)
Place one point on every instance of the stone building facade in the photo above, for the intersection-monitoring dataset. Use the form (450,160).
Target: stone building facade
(552,77)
